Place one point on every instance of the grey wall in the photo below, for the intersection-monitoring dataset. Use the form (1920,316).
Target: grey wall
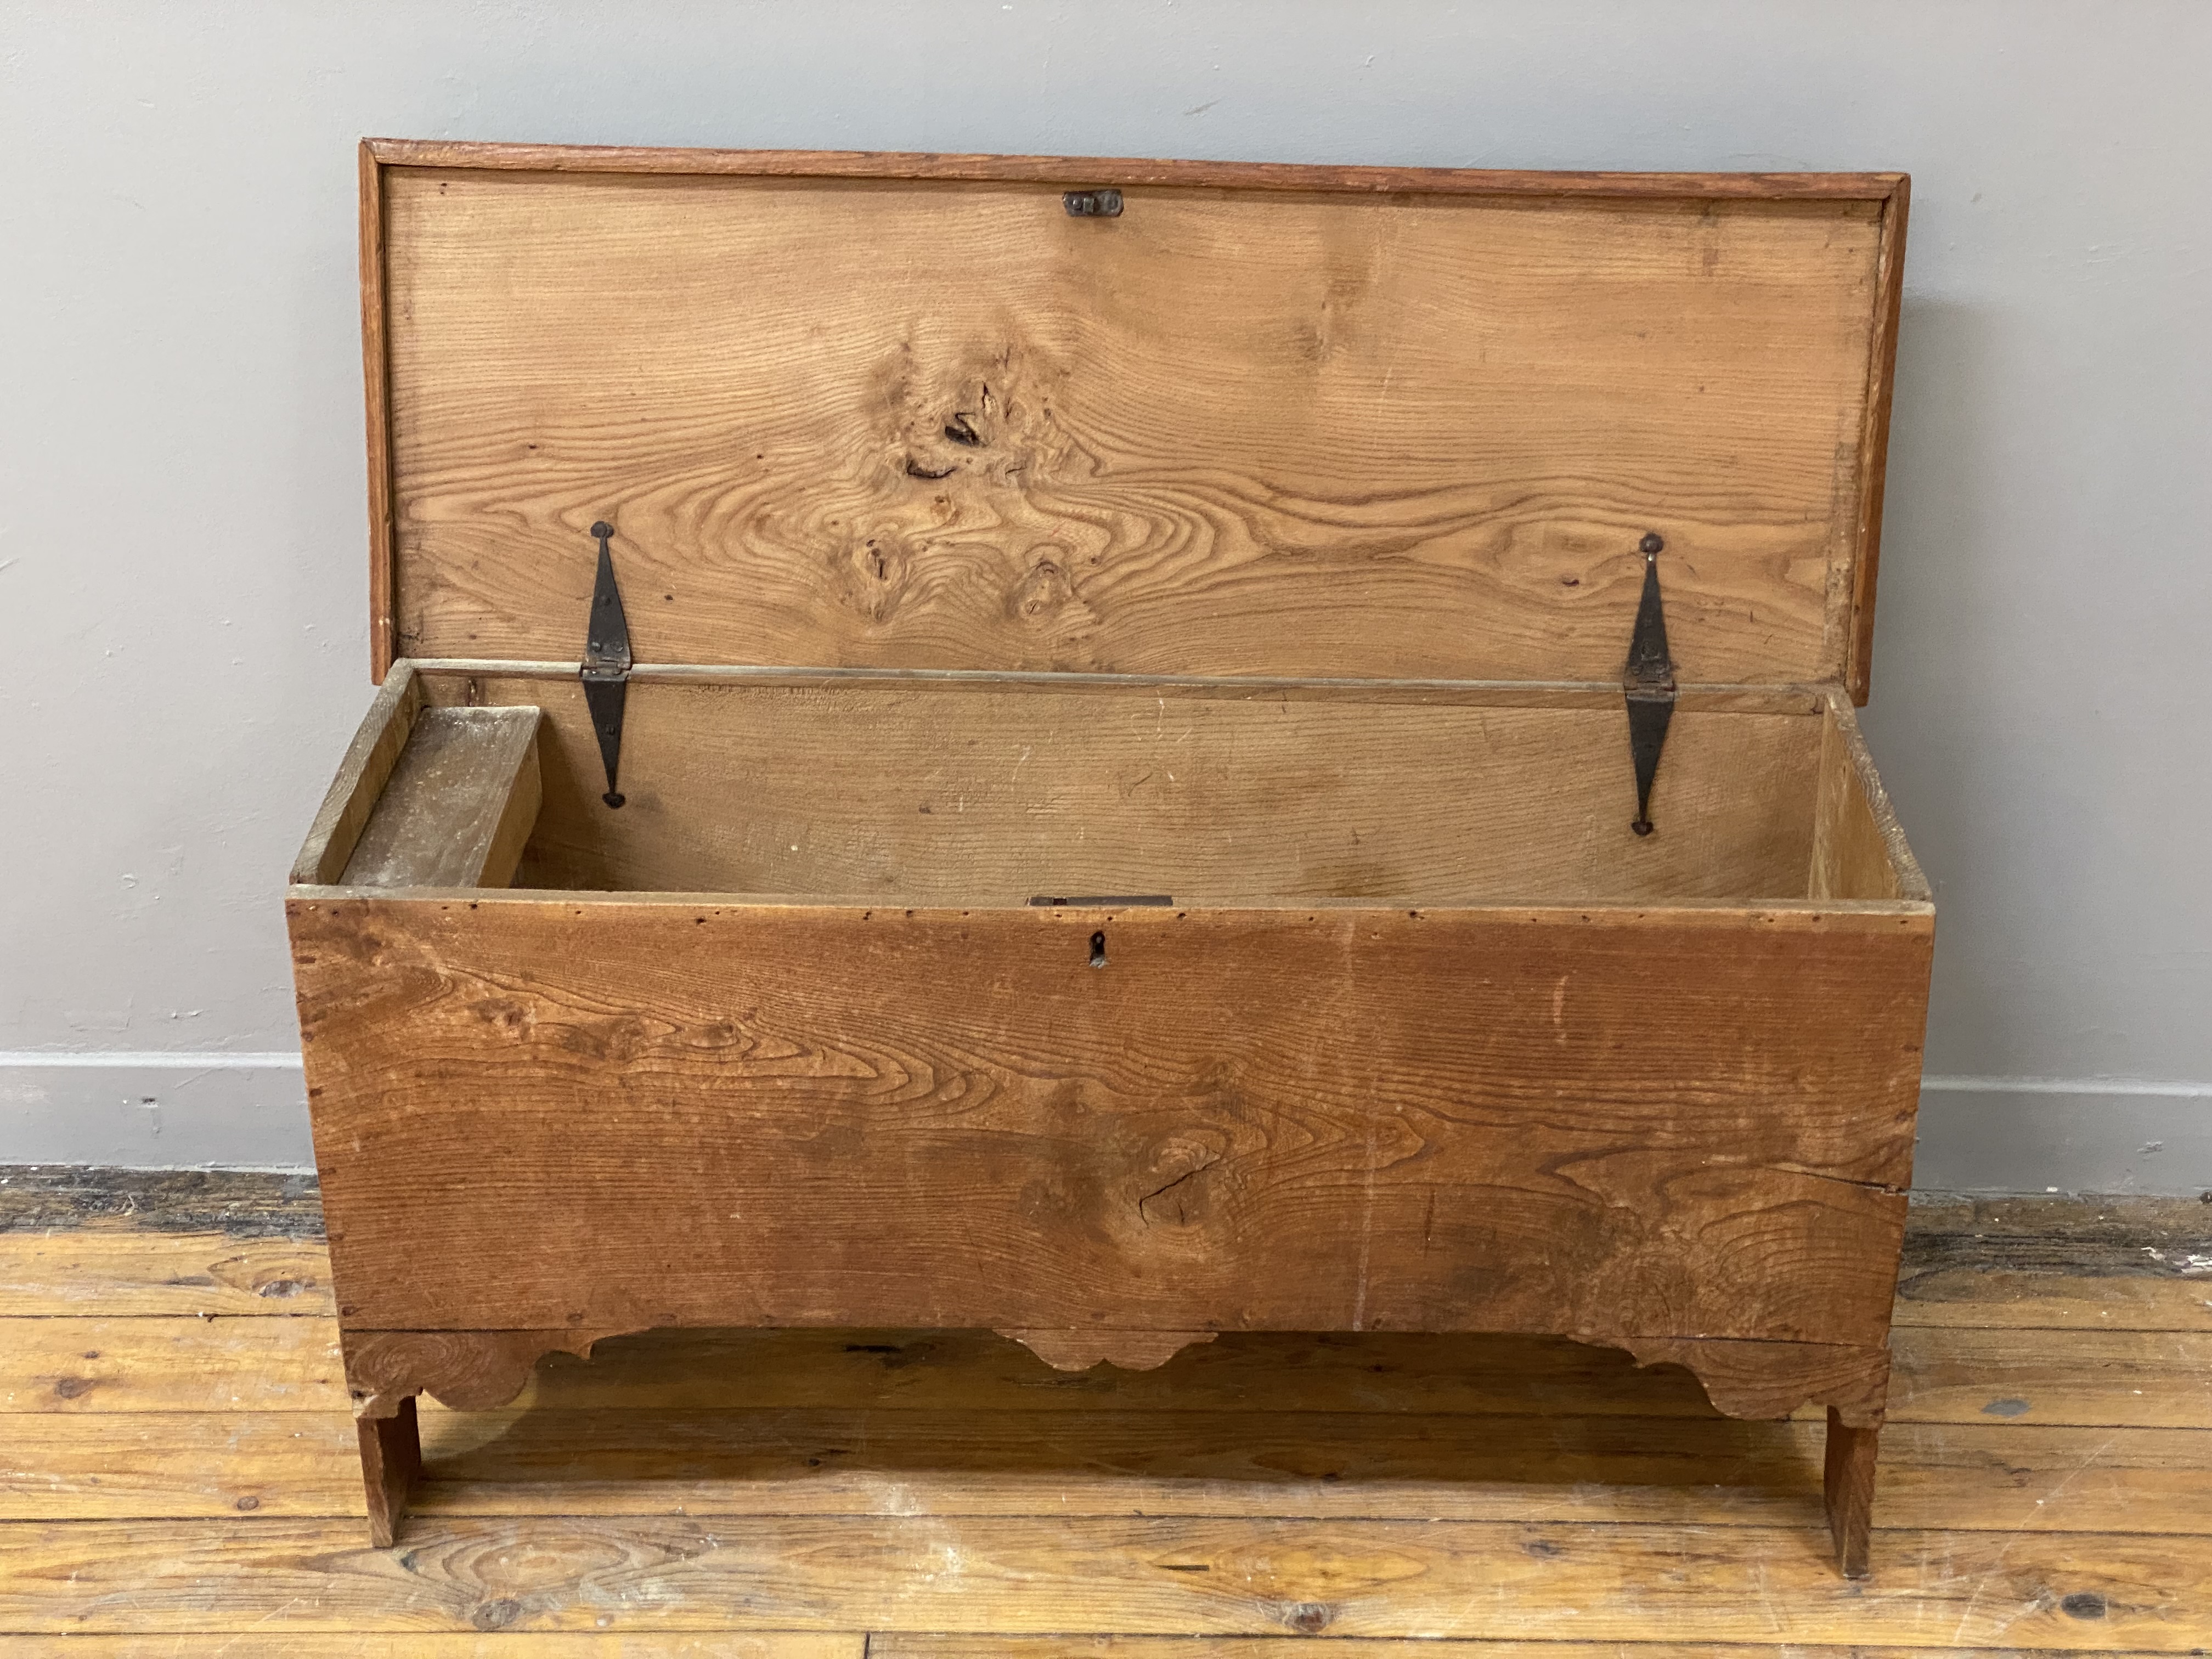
(181,540)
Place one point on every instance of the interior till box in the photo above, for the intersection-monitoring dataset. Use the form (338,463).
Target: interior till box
(960,793)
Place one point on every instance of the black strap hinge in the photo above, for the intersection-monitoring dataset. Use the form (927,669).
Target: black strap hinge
(605,672)
(1647,684)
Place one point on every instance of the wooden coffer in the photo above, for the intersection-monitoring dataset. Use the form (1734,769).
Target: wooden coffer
(1114,751)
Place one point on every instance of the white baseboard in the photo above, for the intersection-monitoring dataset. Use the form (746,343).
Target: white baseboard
(1978,1134)
(2013,1134)
(154,1112)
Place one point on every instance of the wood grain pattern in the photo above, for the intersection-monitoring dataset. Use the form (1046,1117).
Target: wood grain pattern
(2147,1379)
(130,1272)
(2048,1301)
(1376,1462)
(352,794)
(458,805)
(1316,430)
(710,1114)
(1777,699)
(101,1365)
(1847,1491)
(923,794)
(1859,849)
(1040,1575)
(1850,858)
(1874,473)
(376,394)
(391,1455)
(121,1466)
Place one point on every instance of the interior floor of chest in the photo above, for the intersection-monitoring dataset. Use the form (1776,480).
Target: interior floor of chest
(966,794)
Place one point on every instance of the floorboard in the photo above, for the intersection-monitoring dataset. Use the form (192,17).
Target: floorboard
(114,1271)
(1616,1582)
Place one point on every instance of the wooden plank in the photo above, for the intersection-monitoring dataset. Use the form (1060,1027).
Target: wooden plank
(1691,696)
(1860,847)
(158,1464)
(458,805)
(1850,857)
(1873,445)
(376,393)
(1314,1465)
(907,795)
(1128,170)
(107,1365)
(352,796)
(1221,433)
(2046,1301)
(1045,1575)
(425,1644)
(2150,1379)
(720,1113)
(118,1273)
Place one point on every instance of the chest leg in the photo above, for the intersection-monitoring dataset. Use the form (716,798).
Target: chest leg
(1849,1488)
(391,1460)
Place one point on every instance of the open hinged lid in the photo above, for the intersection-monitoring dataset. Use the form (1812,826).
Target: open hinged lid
(946,412)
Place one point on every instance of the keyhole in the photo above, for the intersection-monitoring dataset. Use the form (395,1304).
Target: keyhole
(1098,949)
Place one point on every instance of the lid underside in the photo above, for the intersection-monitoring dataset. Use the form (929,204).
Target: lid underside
(1273,430)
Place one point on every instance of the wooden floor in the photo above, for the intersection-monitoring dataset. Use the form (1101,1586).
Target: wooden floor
(178,1477)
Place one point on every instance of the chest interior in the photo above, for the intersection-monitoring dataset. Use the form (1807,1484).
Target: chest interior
(981,794)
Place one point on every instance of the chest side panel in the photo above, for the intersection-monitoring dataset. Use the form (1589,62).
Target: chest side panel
(536,1114)
(906,424)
